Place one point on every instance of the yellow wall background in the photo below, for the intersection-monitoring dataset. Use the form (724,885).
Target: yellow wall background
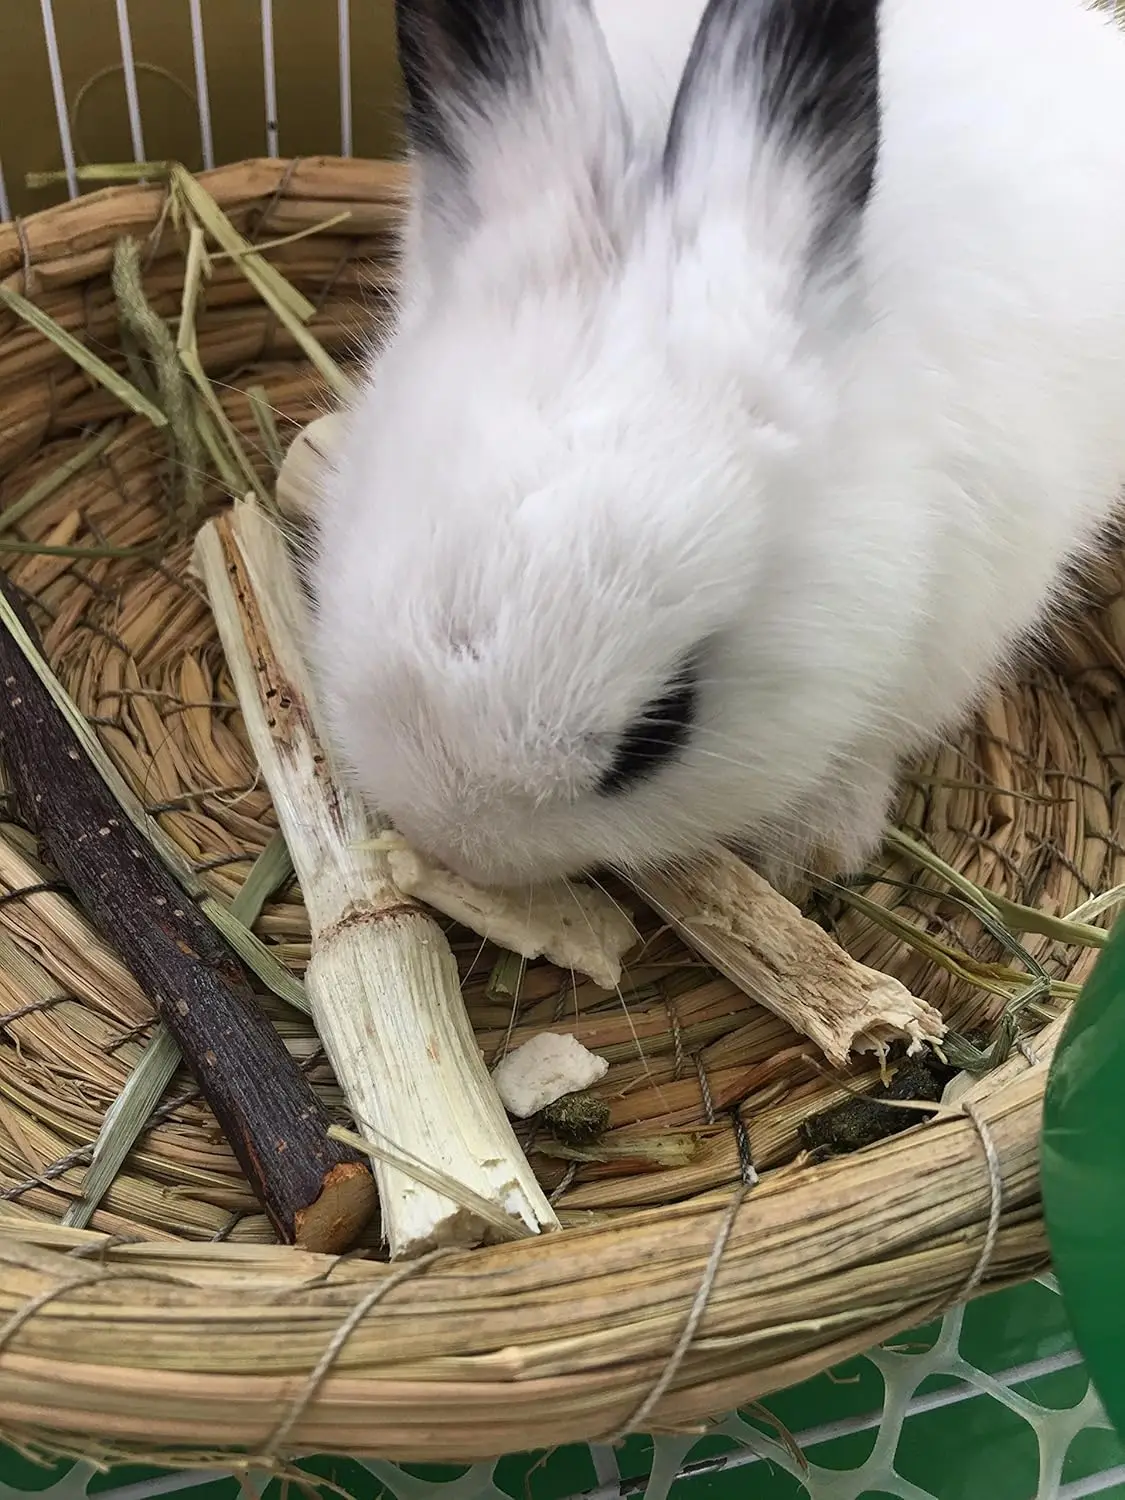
(307,80)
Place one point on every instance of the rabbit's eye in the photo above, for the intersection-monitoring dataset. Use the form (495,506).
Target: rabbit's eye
(659,731)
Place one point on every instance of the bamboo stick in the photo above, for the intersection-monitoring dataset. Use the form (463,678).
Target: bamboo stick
(382,981)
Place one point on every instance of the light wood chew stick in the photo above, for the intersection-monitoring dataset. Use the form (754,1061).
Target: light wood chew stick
(382,982)
(318,1194)
(761,942)
(572,925)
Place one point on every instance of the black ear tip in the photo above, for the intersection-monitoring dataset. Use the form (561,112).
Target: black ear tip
(805,72)
(462,53)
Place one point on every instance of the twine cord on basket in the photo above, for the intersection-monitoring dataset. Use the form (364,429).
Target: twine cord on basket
(32,1008)
(679,1052)
(76,1158)
(102,1248)
(746,1168)
(704,1089)
(691,1327)
(699,1304)
(40,888)
(567,1178)
(52,1293)
(323,1367)
(995,1203)
(30,281)
(279,193)
(995,1177)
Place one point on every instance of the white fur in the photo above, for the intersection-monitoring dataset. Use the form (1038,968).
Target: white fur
(615,422)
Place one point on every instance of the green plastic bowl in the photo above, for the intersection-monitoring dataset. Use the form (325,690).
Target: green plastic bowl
(1083,1173)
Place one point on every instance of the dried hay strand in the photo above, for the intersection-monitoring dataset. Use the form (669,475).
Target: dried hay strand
(173,1322)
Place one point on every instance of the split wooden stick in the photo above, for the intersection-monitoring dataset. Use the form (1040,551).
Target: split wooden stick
(761,942)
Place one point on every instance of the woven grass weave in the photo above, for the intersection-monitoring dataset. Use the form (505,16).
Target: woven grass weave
(200,1331)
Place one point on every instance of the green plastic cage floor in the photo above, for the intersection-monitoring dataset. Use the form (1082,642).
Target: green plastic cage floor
(992,1403)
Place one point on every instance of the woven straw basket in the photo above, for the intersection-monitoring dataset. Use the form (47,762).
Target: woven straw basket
(174,1323)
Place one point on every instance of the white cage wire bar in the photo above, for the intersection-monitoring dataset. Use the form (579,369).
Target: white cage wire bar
(202,94)
(272,128)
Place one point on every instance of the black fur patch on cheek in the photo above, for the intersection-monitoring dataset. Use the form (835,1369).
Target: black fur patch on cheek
(659,732)
(807,74)
(455,54)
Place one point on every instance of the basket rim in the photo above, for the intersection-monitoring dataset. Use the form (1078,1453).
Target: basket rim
(545,1392)
(367,1393)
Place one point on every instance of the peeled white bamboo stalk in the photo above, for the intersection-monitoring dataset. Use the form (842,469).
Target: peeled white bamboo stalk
(382,982)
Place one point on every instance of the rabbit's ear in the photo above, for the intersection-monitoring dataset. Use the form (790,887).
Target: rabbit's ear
(777,118)
(513,111)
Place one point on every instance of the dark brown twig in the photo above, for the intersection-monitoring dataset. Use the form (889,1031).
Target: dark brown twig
(316,1193)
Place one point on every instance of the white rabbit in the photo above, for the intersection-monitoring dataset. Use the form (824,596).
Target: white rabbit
(757,377)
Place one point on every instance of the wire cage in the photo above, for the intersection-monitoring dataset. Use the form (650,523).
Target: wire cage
(203,82)
(211,83)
